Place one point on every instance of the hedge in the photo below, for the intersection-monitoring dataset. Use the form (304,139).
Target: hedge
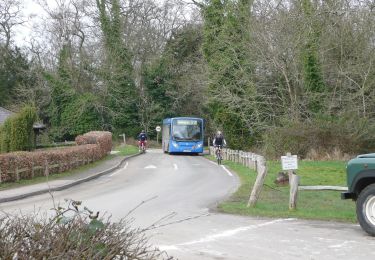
(26,165)
(102,138)
(17,134)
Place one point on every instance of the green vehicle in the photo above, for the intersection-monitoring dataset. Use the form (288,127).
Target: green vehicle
(361,188)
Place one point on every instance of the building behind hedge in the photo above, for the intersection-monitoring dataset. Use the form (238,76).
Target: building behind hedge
(4,114)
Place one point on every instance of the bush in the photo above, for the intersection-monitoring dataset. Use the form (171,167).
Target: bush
(5,136)
(102,138)
(346,135)
(30,164)
(72,233)
(17,133)
(91,147)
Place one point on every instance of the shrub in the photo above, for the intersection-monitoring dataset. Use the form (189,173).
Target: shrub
(17,133)
(5,136)
(72,233)
(59,160)
(102,138)
(327,136)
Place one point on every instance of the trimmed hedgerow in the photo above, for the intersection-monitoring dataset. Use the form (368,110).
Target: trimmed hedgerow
(102,138)
(26,165)
(30,164)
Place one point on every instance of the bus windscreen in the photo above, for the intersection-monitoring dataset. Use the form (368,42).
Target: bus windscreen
(187,130)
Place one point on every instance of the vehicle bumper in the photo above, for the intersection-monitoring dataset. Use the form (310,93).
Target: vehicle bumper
(347,195)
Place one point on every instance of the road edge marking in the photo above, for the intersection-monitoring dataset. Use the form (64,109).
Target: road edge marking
(227,171)
(222,235)
(116,172)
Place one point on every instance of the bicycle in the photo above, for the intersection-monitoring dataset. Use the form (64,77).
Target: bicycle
(219,155)
(142,147)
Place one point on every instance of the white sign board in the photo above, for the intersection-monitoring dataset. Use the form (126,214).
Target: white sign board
(289,162)
(158,129)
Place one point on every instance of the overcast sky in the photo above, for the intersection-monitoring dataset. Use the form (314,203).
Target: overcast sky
(32,12)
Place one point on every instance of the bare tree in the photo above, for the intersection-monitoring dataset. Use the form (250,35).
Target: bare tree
(10,17)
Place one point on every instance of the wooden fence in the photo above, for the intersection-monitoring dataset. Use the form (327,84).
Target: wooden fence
(250,160)
(46,168)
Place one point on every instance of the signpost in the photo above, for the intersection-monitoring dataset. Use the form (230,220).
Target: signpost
(158,129)
(289,163)
(124,138)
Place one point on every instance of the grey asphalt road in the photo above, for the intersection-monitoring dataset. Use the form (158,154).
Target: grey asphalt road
(186,189)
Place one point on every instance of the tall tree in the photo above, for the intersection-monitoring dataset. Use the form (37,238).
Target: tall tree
(121,95)
(233,103)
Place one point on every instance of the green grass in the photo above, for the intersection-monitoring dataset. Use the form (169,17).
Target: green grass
(127,150)
(273,202)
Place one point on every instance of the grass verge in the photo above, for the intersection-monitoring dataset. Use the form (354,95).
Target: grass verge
(124,151)
(273,202)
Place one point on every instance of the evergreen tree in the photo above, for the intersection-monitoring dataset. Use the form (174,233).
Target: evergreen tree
(121,96)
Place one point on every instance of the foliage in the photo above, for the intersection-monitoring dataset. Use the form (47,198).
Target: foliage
(121,96)
(70,113)
(73,232)
(17,133)
(274,200)
(347,134)
(312,70)
(174,82)
(226,49)
(101,138)
(91,147)
(243,65)
(14,75)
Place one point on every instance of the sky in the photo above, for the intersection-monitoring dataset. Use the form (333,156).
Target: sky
(32,12)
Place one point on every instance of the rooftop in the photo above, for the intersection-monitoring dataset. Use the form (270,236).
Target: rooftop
(4,114)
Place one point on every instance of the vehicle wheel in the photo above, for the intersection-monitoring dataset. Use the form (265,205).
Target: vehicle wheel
(366,209)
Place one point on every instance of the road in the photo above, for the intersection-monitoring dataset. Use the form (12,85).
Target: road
(188,188)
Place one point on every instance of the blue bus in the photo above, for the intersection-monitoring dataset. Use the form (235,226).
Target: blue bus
(183,135)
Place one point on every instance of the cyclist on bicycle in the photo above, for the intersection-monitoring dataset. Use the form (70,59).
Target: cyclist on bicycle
(219,140)
(142,140)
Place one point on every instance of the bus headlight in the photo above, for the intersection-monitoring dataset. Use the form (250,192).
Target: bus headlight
(199,145)
(175,145)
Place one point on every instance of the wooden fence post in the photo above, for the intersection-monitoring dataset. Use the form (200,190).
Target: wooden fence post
(209,145)
(46,170)
(293,185)
(261,175)
(293,182)
(17,174)
(32,169)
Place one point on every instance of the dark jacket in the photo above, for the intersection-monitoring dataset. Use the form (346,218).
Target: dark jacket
(142,137)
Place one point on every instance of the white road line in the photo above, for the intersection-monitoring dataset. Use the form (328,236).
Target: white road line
(225,169)
(116,172)
(222,235)
(150,167)
(126,165)
(175,166)
(119,170)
